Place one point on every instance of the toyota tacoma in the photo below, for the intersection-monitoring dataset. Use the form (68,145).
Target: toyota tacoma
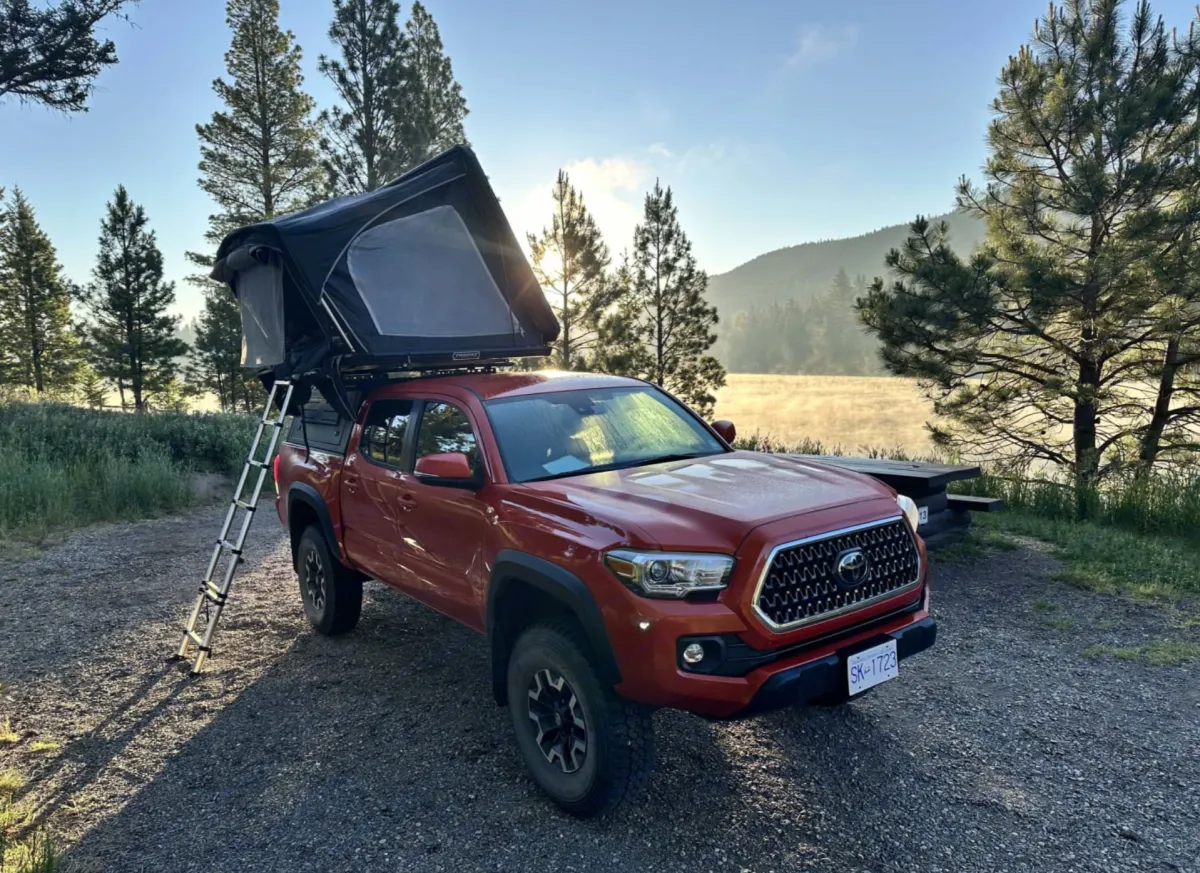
(617,552)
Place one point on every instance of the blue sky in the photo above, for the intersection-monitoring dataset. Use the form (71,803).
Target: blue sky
(776,121)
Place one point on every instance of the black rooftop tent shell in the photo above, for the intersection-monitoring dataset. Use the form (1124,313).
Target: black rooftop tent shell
(422,272)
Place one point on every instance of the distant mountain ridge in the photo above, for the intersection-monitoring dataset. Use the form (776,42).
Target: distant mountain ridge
(804,271)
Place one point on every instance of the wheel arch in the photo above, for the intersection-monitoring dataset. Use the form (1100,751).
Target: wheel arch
(306,506)
(525,589)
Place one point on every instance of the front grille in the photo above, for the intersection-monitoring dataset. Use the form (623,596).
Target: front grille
(801,584)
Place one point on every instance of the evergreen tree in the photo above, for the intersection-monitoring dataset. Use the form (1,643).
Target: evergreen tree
(571,263)
(217,353)
(50,54)
(92,387)
(258,156)
(132,337)
(431,107)
(1039,347)
(38,348)
(258,159)
(361,140)
(663,326)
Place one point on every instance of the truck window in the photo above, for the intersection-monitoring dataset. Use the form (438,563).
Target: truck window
(383,432)
(445,428)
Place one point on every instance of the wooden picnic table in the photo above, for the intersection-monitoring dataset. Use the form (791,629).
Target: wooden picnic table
(948,515)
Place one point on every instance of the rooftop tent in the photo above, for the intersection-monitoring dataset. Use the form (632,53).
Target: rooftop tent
(422,272)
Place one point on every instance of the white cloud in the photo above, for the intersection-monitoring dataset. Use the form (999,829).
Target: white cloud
(819,43)
(661,150)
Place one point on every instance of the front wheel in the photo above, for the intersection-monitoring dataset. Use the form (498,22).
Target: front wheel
(584,745)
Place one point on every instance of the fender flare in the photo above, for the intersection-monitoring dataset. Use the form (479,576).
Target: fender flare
(303,493)
(512,566)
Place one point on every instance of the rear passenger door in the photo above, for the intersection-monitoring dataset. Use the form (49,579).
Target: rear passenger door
(374,484)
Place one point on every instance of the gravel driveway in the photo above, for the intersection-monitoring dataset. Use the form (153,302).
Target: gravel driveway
(1003,748)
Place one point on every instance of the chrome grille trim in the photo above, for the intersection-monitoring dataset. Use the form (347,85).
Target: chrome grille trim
(849,607)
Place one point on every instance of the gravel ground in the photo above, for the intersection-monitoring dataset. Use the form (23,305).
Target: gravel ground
(1001,749)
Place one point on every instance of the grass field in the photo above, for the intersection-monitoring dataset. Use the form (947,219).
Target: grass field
(838,411)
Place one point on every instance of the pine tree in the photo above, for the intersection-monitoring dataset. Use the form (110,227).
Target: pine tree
(50,55)
(217,353)
(431,107)
(38,348)
(258,156)
(361,140)
(664,326)
(258,159)
(132,337)
(1039,347)
(571,263)
(92,387)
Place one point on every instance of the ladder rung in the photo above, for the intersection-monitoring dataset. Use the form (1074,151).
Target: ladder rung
(249,507)
(226,544)
(212,595)
(253,463)
(197,641)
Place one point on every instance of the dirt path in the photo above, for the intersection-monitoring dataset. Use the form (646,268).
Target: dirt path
(1004,748)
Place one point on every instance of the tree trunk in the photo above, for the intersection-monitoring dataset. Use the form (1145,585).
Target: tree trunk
(1087,460)
(1152,439)
(34,344)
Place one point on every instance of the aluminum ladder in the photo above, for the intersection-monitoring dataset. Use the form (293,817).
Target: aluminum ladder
(213,596)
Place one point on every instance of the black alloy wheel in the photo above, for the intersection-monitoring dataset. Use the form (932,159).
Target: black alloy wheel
(558,720)
(314,579)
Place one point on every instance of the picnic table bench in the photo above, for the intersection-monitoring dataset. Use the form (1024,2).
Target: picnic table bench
(945,517)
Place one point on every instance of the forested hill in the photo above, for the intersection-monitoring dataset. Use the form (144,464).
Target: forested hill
(802,272)
(791,310)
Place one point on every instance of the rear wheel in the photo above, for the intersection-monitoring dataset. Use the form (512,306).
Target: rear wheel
(332,594)
(584,745)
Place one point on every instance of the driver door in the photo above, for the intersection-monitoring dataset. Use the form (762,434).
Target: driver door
(444,524)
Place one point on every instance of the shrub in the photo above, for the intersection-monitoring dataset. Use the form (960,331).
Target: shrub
(65,466)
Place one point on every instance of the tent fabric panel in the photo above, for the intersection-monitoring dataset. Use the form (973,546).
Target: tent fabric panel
(259,290)
(422,275)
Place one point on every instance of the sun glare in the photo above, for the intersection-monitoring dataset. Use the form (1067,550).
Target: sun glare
(552,265)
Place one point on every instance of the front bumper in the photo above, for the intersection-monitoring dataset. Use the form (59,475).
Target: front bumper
(753,681)
(825,679)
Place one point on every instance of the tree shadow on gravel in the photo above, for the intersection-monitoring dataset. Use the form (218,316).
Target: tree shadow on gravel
(87,756)
(383,749)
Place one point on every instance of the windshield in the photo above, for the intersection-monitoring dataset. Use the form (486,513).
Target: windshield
(545,436)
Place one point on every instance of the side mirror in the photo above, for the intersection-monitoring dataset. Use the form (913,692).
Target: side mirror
(725,430)
(448,468)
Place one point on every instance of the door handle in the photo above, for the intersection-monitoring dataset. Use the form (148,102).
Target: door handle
(408,502)
(350,481)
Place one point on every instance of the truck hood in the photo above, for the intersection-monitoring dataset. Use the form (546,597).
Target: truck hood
(712,503)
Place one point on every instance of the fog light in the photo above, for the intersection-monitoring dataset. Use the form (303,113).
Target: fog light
(693,654)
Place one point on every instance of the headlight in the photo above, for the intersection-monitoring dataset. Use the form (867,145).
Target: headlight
(666,574)
(909,507)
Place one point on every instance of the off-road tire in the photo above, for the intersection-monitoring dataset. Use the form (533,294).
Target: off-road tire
(339,604)
(619,733)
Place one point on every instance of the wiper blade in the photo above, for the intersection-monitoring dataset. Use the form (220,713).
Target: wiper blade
(661,459)
(624,465)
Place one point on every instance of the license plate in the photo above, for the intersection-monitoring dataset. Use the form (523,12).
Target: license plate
(923,514)
(877,664)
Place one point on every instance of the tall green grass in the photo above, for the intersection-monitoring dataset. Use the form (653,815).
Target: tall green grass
(63,466)
(1166,504)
